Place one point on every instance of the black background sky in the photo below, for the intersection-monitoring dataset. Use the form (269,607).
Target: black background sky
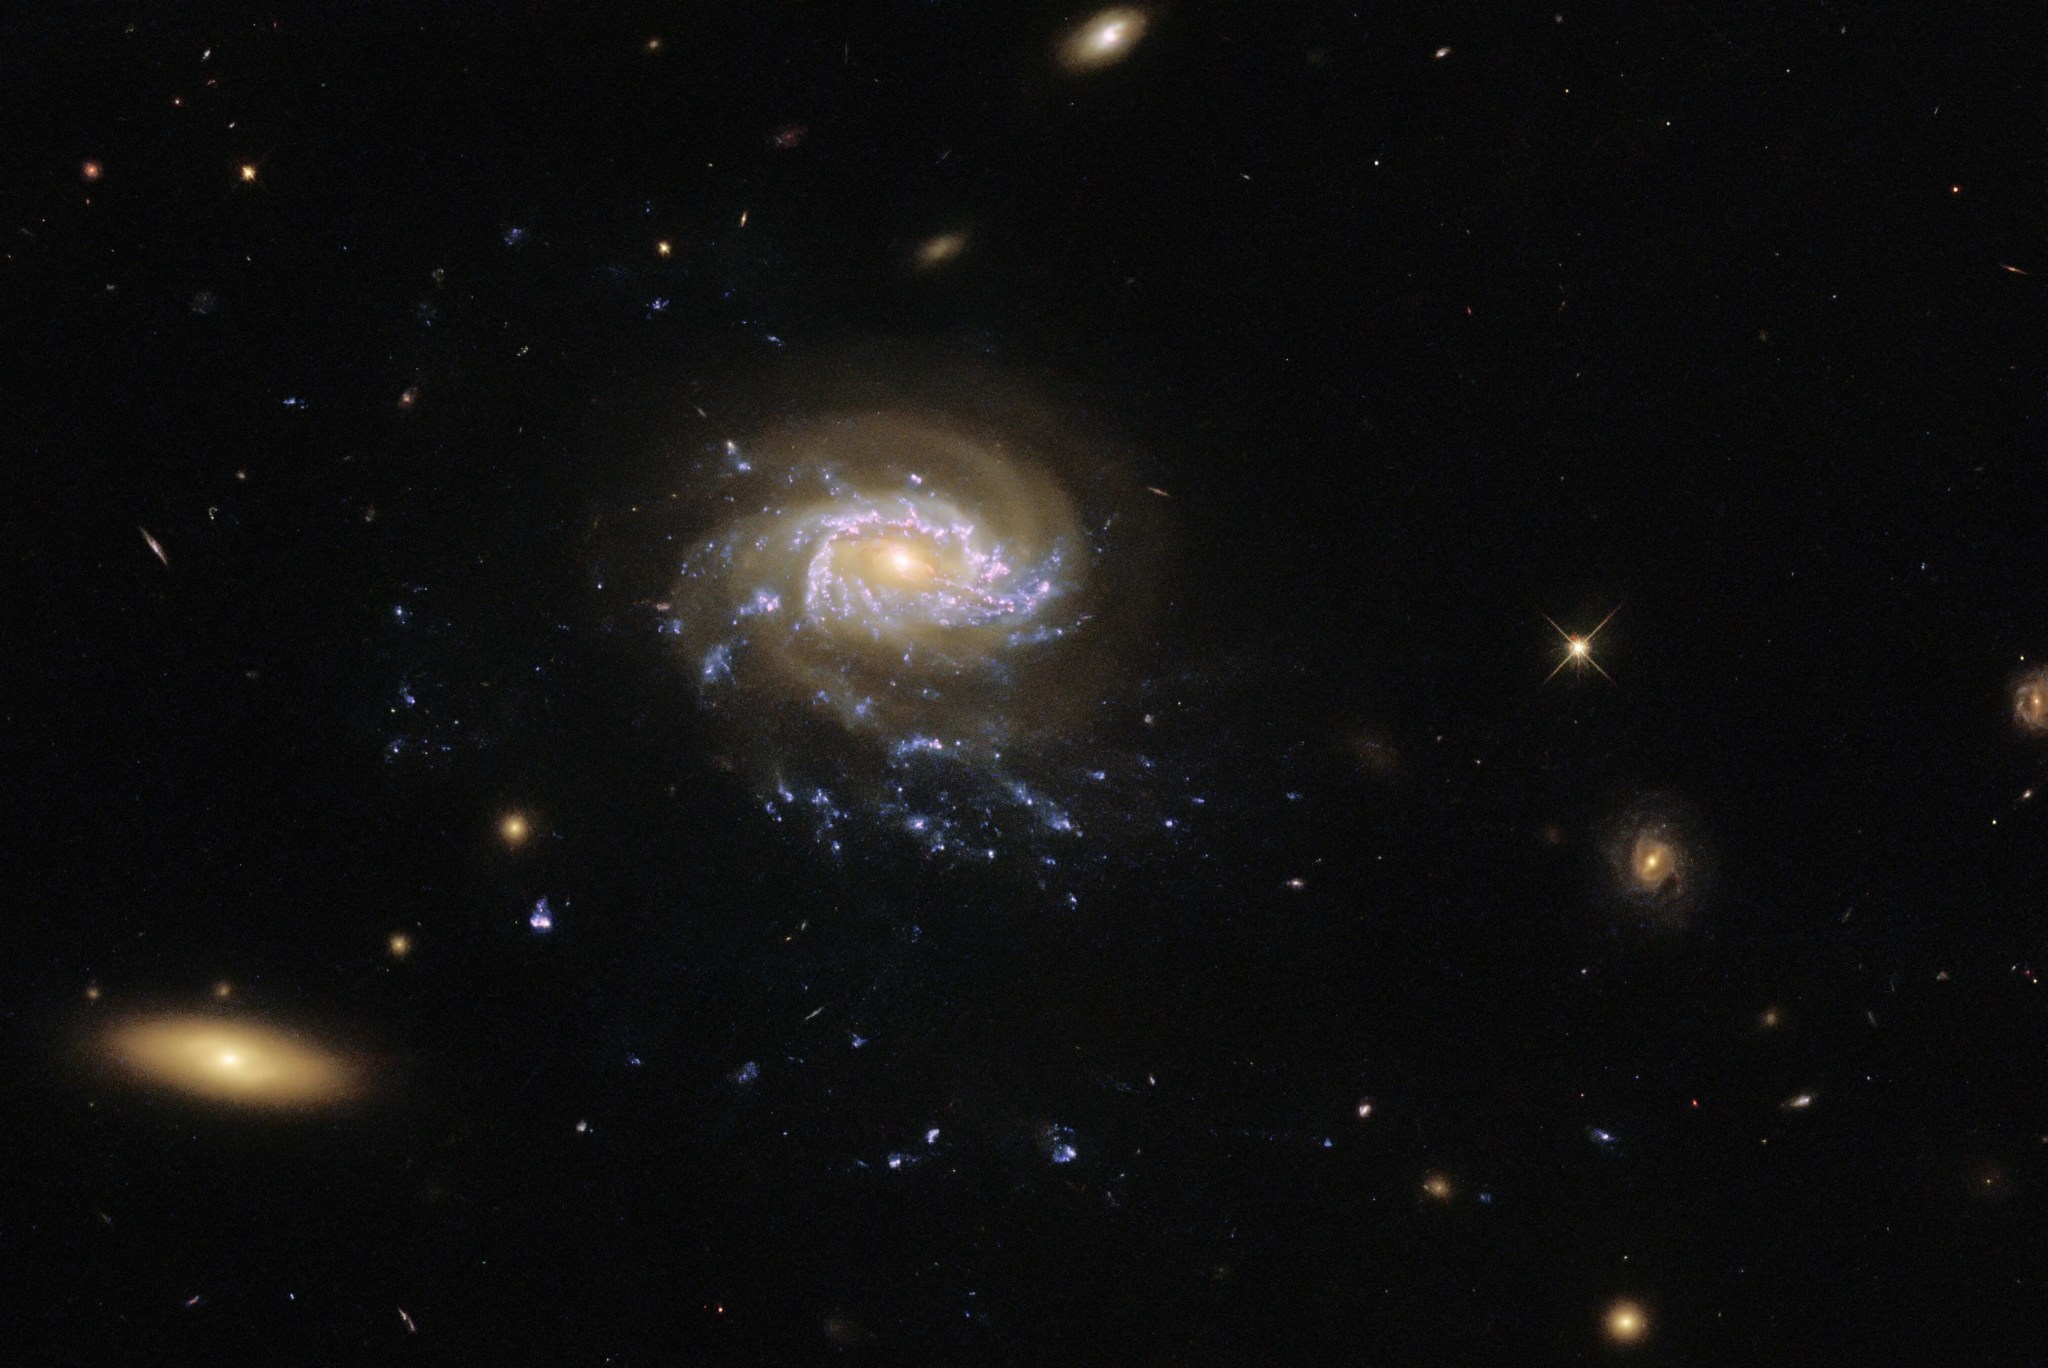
(1724,314)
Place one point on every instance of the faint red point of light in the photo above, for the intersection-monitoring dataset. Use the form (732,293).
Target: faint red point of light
(790,136)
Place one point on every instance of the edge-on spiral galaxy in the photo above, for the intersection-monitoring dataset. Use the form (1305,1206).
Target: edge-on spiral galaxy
(907,609)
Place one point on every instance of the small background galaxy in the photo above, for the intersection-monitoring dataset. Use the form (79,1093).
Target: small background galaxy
(1500,825)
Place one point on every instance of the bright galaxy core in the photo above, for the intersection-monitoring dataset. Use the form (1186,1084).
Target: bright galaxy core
(1656,860)
(241,1062)
(909,610)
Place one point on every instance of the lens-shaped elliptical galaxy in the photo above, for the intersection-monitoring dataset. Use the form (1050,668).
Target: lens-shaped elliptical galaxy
(241,1062)
(921,613)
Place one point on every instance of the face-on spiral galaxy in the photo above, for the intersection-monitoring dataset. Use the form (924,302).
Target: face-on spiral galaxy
(1656,860)
(919,614)
(2030,701)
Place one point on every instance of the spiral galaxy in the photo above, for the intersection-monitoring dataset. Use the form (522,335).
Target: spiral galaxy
(1657,860)
(908,610)
(2030,701)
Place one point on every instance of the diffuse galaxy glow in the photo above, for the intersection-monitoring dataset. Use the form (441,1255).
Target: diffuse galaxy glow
(910,610)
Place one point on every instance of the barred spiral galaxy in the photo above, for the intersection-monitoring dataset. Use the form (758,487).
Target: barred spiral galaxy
(902,597)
